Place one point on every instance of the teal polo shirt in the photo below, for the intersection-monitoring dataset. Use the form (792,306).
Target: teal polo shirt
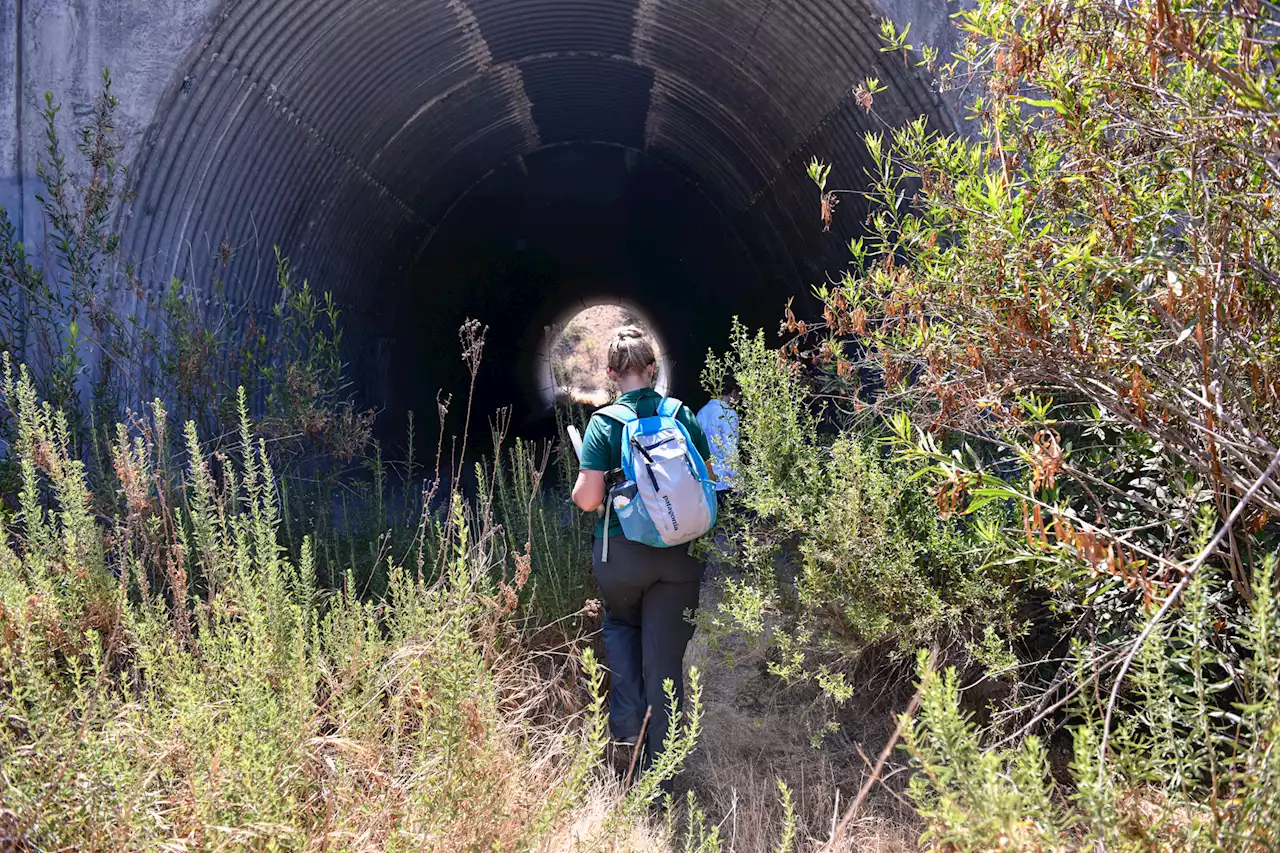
(602,443)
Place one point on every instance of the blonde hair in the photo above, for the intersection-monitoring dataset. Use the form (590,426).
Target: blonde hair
(630,351)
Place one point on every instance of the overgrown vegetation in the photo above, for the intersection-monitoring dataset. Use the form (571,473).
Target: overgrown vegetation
(836,537)
(200,646)
(1060,331)
(1024,465)
(244,704)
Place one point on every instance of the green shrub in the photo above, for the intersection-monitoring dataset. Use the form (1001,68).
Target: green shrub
(1083,288)
(1182,773)
(1068,316)
(844,550)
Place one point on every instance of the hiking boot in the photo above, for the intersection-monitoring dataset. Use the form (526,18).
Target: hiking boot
(618,754)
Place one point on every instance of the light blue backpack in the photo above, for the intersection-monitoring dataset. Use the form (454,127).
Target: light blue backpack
(666,497)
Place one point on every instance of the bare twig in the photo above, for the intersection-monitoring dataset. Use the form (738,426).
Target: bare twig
(852,812)
(1172,597)
(635,753)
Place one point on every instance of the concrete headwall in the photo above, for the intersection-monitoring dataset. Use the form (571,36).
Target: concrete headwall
(62,46)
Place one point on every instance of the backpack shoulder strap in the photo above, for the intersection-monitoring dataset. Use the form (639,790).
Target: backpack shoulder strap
(670,407)
(617,412)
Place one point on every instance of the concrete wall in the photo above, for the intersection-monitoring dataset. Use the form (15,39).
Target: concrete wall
(62,46)
(9,85)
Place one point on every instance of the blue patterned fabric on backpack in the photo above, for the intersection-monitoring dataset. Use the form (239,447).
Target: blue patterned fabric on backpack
(666,497)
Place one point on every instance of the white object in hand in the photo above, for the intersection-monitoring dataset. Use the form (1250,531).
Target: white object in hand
(575,438)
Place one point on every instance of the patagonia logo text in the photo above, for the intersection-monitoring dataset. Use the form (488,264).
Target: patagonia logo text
(671,512)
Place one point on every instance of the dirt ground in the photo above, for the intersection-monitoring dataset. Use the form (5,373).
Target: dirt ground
(756,732)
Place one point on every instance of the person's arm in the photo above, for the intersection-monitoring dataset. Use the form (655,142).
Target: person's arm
(589,490)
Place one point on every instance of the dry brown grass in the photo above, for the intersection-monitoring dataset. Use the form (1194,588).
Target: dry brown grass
(756,732)
(514,758)
(590,827)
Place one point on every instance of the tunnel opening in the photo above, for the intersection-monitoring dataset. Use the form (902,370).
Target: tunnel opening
(572,361)
(559,230)
(507,160)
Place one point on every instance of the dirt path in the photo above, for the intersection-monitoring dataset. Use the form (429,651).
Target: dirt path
(756,732)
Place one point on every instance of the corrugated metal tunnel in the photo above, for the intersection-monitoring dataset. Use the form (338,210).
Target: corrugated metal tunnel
(428,160)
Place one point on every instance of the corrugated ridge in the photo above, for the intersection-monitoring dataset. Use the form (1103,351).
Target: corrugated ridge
(344,129)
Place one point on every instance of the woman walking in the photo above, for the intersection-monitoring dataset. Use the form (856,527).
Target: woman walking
(647,590)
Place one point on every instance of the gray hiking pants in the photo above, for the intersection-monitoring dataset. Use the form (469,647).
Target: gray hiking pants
(646,593)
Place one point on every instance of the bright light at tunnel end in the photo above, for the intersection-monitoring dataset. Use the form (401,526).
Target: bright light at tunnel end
(553,391)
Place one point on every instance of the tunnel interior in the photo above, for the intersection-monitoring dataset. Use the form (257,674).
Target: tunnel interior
(505,160)
(567,227)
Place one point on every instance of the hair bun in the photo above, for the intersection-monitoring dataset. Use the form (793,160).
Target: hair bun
(631,351)
(627,333)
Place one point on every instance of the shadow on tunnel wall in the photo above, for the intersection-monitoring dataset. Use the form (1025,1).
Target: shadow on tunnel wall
(499,159)
(554,231)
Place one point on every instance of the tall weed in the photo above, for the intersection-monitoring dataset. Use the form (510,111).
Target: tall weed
(244,705)
(1182,773)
